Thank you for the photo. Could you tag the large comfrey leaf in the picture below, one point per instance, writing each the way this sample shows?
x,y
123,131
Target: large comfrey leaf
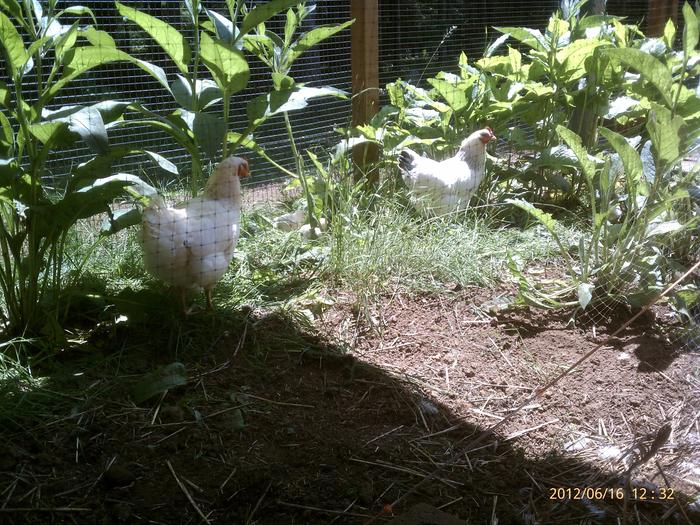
x,y
81,59
586,162
167,37
227,65
631,160
651,69
86,122
455,94
667,132
225,29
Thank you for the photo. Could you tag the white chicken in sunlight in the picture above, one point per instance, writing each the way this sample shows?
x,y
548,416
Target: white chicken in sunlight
x,y
191,244
438,188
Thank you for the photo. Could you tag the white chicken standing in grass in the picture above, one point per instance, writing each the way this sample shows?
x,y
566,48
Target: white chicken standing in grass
x,y
191,244
438,188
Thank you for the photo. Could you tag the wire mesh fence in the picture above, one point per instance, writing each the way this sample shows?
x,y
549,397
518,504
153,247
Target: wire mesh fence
x,y
417,39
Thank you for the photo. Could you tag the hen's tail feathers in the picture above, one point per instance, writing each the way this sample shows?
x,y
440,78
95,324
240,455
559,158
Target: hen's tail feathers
x,y
406,160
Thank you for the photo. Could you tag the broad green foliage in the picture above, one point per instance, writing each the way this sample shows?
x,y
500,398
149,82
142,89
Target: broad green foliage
x,y
219,45
553,96
35,218
167,37
278,53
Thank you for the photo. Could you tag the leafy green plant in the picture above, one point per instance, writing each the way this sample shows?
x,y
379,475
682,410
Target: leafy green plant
x,y
279,54
218,50
632,196
35,217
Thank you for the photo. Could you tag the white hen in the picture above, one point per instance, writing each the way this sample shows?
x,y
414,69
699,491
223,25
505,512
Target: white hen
x,y
191,244
442,187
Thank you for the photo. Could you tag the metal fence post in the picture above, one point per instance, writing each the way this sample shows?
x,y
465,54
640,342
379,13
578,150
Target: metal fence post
x,y
365,79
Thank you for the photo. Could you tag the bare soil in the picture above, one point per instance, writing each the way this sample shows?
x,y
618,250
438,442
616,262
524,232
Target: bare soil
x,y
372,416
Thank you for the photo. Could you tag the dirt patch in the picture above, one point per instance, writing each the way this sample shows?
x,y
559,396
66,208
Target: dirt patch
x,y
368,421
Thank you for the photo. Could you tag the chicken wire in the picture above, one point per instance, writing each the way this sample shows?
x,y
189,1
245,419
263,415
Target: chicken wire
x,y
417,38
326,64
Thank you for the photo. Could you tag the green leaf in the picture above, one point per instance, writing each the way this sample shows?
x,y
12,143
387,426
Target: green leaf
x,y
56,134
585,294
666,131
495,45
290,26
631,160
225,29
282,82
227,65
193,16
7,136
81,59
162,380
167,37
162,162
532,38
313,37
111,110
454,94
210,131
4,95
662,228
543,217
263,12
651,69
573,56
690,31
98,38
14,8
78,10
11,40
66,42
262,107
574,142
669,33
207,92
88,123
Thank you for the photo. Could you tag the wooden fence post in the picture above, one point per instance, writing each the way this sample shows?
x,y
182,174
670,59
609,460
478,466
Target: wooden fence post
x,y
658,13
365,78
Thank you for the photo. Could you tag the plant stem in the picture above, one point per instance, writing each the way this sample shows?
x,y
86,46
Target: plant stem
x,y
300,169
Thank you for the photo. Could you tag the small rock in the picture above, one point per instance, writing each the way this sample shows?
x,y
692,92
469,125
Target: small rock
x,y
117,476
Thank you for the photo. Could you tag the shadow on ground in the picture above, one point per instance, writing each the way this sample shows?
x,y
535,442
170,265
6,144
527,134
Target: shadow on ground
x,y
275,425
